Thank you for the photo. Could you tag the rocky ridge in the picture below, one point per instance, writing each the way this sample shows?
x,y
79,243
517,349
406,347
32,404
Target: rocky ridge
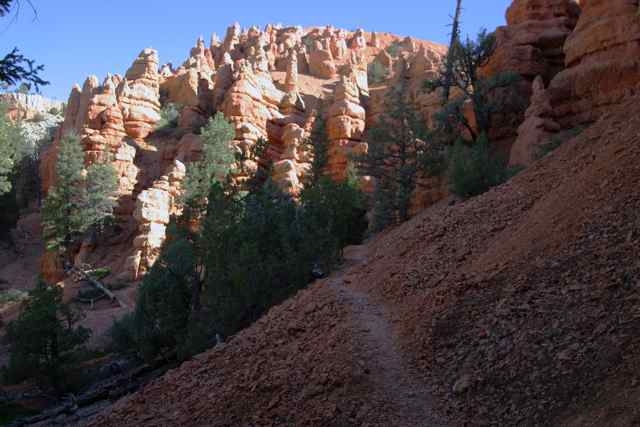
x,y
270,84
517,307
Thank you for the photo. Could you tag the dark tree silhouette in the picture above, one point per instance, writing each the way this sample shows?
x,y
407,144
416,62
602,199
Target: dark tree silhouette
x,y
15,67
455,40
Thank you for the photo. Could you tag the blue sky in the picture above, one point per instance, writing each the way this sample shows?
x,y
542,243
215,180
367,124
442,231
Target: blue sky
x,y
75,38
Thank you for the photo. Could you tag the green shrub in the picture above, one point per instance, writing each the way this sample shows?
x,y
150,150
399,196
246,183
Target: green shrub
x,y
11,296
123,335
44,342
100,273
394,48
376,72
169,116
54,111
473,170
251,253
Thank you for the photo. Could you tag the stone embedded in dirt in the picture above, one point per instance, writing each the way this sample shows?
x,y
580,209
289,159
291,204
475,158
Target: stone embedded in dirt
x,y
462,384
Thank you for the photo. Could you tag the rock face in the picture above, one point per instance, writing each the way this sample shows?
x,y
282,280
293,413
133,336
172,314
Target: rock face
x,y
602,62
109,118
537,128
345,125
531,42
23,106
268,83
139,95
153,211
531,45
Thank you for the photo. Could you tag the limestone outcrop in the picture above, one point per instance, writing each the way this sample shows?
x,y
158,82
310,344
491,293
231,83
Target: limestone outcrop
x,y
537,129
531,45
345,124
139,95
531,42
269,83
602,58
22,106
153,211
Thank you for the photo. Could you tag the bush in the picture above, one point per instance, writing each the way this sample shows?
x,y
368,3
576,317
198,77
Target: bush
x,y
54,111
252,252
395,48
376,72
11,296
43,341
163,308
473,170
100,273
169,116
123,335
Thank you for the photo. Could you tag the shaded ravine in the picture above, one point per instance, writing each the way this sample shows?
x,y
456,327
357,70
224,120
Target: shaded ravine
x,y
395,385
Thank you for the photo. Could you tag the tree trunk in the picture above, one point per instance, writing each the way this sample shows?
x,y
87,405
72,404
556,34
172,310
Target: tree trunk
x,y
455,35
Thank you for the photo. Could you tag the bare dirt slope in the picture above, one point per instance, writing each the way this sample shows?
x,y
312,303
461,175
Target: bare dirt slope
x,y
519,307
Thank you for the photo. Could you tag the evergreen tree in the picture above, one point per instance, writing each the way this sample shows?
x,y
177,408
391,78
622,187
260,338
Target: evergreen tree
x,y
15,67
78,200
44,341
162,311
318,144
13,147
217,160
473,170
259,260
101,183
454,43
396,145
334,216
169,319
463,63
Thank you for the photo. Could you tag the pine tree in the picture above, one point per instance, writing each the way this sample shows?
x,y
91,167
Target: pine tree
x,y
464,61
101,182
215,165
473,170
318,145
449,60
15,67
44,340
13,147
396,144
79,200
